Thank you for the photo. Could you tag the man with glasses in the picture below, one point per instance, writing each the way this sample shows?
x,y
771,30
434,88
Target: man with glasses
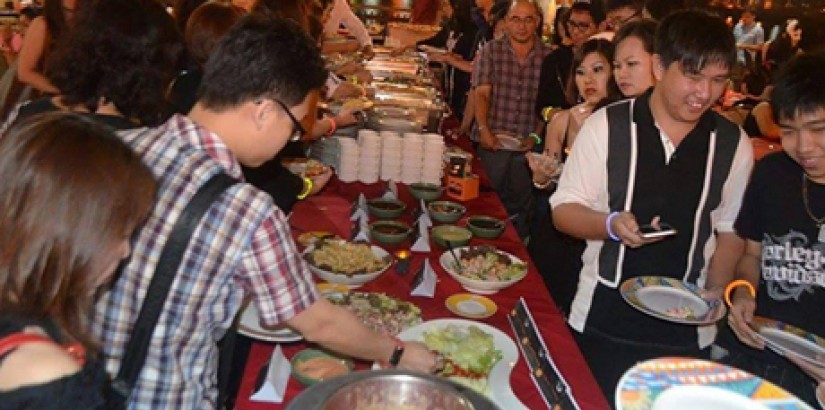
x,y
256,85
506,78
583,23
621,12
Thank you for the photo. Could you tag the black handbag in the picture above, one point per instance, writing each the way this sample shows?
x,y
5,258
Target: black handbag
x,y
117,397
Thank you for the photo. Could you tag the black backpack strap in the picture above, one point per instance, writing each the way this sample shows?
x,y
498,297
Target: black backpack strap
x,y
165,272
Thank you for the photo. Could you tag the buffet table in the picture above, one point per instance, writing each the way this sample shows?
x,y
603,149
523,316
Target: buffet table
x,y
330,212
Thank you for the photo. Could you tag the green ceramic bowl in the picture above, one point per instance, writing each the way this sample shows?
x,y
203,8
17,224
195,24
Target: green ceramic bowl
x,y
485,226
312,366
457,236
427,192
389,232
386,208
446,211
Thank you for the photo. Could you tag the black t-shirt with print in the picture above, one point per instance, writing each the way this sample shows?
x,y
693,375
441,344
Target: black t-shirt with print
x,y
792,282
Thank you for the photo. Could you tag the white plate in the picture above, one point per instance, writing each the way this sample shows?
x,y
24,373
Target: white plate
x,y
670,299
704,398
499,390
430,49
482,287
250,326
643,384
356,280
820,396
782,337
510,143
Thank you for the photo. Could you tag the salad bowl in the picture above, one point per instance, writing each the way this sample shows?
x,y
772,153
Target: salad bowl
x,y
489,271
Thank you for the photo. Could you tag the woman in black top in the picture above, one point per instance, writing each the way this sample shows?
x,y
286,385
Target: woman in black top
x,y
785,47
458,38
582,22
72,194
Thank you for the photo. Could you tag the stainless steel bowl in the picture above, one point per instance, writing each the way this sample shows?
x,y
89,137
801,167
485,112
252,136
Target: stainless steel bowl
x,y
389,390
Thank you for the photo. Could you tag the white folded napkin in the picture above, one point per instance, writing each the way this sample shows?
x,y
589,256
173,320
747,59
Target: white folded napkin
x,y
277,377
422,241
359,211
425,280
392,191
363,234
424,219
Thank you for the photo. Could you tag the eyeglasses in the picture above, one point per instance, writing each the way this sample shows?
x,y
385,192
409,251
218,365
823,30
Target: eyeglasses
x,y
572,25
297,129
617,22
519,20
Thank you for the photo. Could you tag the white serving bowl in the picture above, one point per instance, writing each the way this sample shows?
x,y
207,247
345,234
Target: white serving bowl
x,y
483,287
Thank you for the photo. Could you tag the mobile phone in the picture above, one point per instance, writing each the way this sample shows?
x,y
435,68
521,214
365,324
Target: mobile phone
x,y
650,232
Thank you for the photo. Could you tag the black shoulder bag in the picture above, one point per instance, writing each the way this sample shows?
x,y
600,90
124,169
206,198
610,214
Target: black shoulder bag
x,y
170,259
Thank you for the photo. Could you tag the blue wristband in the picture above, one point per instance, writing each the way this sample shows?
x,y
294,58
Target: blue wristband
x,y
607,224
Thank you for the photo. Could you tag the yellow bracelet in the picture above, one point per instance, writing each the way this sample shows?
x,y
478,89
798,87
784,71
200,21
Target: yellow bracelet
x,y
546,113
307,188
735,284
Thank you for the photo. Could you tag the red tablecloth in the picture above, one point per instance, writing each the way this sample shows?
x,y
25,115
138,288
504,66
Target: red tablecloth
x,y
330,212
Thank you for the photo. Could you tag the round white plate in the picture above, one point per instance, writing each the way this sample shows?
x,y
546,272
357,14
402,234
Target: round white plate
x,y
704,398
510,143
250,326
430,49
672,300
782,337
499,390
483,287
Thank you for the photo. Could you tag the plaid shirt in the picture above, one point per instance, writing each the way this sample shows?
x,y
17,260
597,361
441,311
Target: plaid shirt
x,y
514,85
242,246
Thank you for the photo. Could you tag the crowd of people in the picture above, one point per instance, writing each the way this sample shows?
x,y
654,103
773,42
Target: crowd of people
x,y
135,112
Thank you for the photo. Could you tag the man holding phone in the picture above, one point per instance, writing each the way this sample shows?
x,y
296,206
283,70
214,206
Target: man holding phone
x,y
663,157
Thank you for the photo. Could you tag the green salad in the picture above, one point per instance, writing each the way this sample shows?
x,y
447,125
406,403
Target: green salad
x,y
485,263
469,353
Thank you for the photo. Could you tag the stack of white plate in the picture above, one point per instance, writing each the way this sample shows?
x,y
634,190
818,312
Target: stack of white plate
x,y
432,167
412,158
369,167
391,148
349,159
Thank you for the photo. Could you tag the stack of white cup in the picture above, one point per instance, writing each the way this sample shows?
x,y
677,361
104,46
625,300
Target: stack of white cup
x,y
433,166
370,159
412,158
349,158
391,144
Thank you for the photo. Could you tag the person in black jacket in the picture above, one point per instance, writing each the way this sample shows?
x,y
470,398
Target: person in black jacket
x,y
458,38
582,23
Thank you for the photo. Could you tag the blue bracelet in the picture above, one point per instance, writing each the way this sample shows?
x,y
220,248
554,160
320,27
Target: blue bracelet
x,y
607,223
